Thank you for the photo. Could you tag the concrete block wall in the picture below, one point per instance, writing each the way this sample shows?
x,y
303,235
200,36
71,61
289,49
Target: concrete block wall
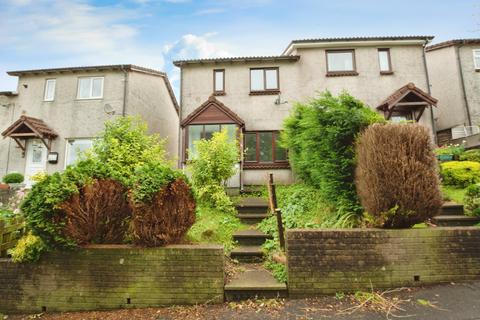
x,y
108,277
326,261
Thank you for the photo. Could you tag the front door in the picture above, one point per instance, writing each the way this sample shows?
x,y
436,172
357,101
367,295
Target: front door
x,y
36,160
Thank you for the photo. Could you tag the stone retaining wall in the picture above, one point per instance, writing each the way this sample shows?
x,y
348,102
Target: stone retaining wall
x,y
346,260
107,277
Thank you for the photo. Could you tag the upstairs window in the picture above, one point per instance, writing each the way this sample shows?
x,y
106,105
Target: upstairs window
x,y
341,61
264,80
219,81
263,147
476,58
384,61
49,90
90,88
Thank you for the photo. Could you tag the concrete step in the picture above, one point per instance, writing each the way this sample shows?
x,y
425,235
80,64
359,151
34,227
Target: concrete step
x,y
451,209
252,253
255,284
252,205
252,218
455,220
250,237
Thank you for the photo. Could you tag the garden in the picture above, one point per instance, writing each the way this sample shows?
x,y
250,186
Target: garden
x,y
353,171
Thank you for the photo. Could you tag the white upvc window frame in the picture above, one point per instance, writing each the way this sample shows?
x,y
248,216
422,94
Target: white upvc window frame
x,y
90,97
68,149
47,82
476,54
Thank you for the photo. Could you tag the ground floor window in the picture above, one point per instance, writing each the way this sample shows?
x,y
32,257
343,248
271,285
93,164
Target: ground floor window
x,y
400,116
75,147
263,147
206,131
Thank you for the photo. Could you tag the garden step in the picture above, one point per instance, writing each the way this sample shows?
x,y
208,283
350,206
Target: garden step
x,y
451,209
247,253
255,284
252,205
252,218
250,237
455,221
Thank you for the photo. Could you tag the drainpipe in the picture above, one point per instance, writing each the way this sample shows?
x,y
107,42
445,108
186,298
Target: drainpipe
x,y
429,90
180,135
462,81
125,85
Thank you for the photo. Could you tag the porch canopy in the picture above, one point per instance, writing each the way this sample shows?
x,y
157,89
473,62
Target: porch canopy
x,y
407,100
213,111
30,128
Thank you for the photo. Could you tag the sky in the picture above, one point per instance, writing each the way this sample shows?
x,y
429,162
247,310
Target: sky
x,y
153,33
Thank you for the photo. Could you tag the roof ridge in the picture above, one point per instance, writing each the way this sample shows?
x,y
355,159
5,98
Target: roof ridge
x,y
179,63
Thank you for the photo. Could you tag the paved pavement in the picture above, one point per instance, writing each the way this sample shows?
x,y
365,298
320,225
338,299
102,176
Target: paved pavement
x,y
460,301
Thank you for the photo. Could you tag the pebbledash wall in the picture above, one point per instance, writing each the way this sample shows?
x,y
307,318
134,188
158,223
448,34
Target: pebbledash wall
x,y
326,261
107,277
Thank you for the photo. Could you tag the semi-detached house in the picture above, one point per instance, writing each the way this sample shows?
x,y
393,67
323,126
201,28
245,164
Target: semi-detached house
x,y
454,69
253,95
57,113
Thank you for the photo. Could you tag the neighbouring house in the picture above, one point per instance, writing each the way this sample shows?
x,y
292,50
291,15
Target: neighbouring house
x,y
454,69
255,94
56,113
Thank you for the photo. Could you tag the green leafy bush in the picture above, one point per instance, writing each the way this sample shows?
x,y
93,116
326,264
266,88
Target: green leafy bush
x,y
150,178
397,175
28,249
42,204
211,167
88,203
470,155
13,177
320,136
451,149
124,145
6,214
472,200
460,173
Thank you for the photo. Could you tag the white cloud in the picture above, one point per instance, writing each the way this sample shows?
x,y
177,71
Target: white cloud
x,y
193,46
19,2
204,12
76,31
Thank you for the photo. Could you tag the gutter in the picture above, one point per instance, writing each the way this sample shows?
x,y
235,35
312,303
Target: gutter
x,y
125,85
462,81
429,90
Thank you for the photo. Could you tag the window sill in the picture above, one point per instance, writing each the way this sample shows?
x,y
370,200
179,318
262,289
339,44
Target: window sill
x,y
342,74
259,166
219,93
386,73
83,99
264,93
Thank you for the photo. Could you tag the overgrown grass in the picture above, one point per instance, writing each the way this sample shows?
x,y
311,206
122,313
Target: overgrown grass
x,y
301,207
453,194
214,226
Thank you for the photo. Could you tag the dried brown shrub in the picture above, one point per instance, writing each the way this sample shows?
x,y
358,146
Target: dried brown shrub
x,y
99,213
396,175
166,218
